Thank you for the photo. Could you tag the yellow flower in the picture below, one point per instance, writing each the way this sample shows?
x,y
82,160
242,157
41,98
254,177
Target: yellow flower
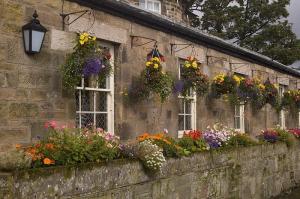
x,y
276,86
195,64
188,65
94,38
155,66
261,87
156,59
81,42
148,63
81,37
237,79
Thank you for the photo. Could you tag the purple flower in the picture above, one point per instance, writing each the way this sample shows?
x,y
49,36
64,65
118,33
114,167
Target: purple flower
x,y
92,66
178,88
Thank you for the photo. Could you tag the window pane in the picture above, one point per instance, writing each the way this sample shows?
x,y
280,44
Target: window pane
x,y
181,106
150,6
237,124
188,107
87,119
101,101
142,4
181,122
87,100
188,122
101,121
156,7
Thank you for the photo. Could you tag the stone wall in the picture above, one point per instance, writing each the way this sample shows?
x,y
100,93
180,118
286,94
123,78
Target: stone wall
x,y
31,88
255,172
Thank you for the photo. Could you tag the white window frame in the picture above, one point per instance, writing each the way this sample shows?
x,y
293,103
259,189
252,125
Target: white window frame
x,y
193,114
282,120
239,114
110,96
152,1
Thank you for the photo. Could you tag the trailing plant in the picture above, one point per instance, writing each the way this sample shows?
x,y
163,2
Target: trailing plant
x,y
291,101
271,93
88,59
192,79
151,155
223,85
168,144
152,80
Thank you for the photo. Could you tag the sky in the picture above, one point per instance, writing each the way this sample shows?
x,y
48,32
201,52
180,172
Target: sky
x,y
294,10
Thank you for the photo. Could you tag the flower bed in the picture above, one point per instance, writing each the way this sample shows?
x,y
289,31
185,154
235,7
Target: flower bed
x,y
71,146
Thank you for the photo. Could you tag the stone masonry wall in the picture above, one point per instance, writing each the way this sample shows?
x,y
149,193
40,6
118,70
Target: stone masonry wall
x,y
259,172
31,88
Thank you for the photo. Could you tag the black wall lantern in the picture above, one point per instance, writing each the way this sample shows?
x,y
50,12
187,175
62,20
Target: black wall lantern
x,y
33,35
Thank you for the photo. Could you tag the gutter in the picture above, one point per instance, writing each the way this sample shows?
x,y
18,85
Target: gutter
x,y
161,23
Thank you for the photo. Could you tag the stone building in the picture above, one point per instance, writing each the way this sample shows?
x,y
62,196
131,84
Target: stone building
x,y
31,90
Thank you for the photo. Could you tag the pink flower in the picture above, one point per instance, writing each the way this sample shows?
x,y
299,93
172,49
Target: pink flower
x,y
51,124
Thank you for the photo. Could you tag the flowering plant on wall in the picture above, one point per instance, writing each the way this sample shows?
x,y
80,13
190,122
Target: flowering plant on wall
x,y
218,135
192,78
168,144
223,85
193,141
152,80
70,146
271,93
295,132
291,100
87,59
252,90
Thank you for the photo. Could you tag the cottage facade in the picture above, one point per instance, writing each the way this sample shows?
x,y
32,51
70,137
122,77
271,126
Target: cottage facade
x,y
31,90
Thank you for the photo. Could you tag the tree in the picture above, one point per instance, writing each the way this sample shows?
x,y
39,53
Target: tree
x,y
259,25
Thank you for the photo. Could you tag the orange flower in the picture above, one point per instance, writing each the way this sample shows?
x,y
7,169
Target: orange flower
x,y
143,137
48,161
49,146
18,146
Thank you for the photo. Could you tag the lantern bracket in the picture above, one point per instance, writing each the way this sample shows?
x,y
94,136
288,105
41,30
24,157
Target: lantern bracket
x,y
135,38
174,46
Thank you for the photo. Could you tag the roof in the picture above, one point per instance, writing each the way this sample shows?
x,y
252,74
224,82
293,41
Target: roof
x,y
162,23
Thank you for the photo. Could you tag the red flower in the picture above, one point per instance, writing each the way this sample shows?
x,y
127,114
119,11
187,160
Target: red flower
x,y
195,134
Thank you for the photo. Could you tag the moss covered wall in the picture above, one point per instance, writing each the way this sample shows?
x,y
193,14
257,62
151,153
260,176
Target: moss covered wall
x,y
254,172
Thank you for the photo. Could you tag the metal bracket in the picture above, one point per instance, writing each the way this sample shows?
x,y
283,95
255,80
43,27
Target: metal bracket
x,y
65,15
137,38
174,47
218,59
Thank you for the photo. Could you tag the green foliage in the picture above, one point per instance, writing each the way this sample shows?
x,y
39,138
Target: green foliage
x,y
14,159
241,140
285,136
86,49
258,25
170,147
68,148
192,78
193,145
150,81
